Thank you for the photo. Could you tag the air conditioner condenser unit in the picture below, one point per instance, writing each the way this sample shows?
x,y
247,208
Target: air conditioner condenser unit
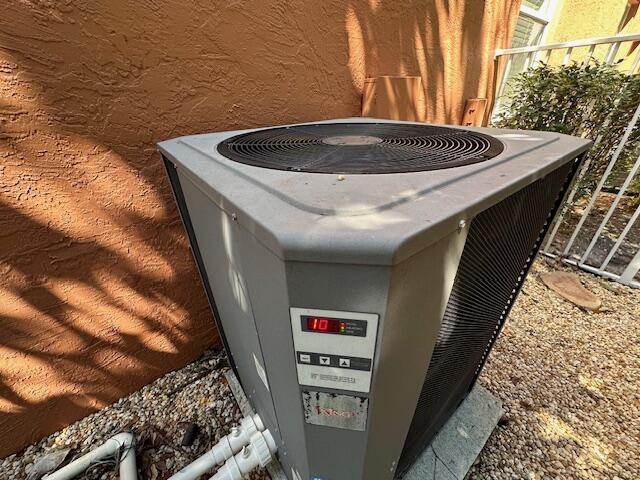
x,y
360,270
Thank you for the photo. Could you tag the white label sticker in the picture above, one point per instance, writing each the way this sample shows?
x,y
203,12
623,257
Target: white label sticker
x,y
338,411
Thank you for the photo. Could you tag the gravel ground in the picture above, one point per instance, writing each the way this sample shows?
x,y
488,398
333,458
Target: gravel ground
x,y
158,414
569,381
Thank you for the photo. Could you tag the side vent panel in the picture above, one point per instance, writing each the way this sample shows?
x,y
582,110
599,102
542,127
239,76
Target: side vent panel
x,y
500,248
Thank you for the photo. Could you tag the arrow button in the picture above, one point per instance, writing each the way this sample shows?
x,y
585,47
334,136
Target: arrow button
x,y
325,360
345,362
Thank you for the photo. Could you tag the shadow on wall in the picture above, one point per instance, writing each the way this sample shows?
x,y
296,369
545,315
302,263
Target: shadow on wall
x,y
83,324
99,291
450,44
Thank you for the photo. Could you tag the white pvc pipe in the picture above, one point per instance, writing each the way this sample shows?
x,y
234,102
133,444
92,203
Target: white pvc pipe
x,y
128,467
258,453
224,449
122,442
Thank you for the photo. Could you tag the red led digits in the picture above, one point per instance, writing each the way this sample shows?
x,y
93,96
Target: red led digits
x,y
325,325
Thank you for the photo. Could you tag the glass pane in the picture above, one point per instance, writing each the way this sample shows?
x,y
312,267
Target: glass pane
x,y
535,4
528,32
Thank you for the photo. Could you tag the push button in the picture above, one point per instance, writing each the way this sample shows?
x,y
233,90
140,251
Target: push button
x,y
305,358
329,360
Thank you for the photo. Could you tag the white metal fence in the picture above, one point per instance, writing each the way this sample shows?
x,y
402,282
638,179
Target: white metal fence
x,y
596,232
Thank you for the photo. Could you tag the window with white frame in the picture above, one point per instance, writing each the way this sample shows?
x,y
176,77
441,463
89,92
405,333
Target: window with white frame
x,y
531,28
532,23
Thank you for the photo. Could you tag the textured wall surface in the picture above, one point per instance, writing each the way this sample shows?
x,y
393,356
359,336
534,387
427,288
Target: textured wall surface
x,y
583,19
98,291
597,18
579,19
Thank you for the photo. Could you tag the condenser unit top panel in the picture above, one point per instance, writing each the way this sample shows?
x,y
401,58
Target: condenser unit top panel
x,y
360,148
362,190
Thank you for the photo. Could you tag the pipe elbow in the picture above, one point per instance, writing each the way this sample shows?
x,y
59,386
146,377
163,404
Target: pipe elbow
x,y
124,439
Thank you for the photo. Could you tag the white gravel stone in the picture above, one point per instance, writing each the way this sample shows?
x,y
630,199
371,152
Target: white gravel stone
x,y
570,383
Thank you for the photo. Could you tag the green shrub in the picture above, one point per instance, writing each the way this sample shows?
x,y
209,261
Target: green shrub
x,y
594,101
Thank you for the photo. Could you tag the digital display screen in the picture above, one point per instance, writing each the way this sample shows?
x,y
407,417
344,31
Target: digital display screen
x,y
325,325
336,326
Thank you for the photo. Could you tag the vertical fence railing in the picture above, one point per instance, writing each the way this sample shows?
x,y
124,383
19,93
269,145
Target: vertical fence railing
x,y
577,245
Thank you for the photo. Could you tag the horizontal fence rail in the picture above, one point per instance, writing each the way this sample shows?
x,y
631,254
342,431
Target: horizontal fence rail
x,y
587,42
590,244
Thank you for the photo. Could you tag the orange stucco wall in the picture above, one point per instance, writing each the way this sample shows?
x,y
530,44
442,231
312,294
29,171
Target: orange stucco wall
x,y
99,294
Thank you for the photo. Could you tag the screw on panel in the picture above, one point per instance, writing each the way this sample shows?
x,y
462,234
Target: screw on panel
x,y
462,224
234,217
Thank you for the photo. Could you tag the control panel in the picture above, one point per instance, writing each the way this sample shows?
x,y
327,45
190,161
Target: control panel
x,y
334,349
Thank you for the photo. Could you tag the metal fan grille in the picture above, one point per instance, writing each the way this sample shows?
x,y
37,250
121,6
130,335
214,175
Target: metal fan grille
x,y
360,148
500,247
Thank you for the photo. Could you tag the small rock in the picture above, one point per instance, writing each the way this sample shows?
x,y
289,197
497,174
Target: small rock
x,y
569,287
47,463
527,404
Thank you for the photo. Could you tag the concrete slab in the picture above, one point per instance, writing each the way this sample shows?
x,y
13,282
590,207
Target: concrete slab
x,y
458,444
